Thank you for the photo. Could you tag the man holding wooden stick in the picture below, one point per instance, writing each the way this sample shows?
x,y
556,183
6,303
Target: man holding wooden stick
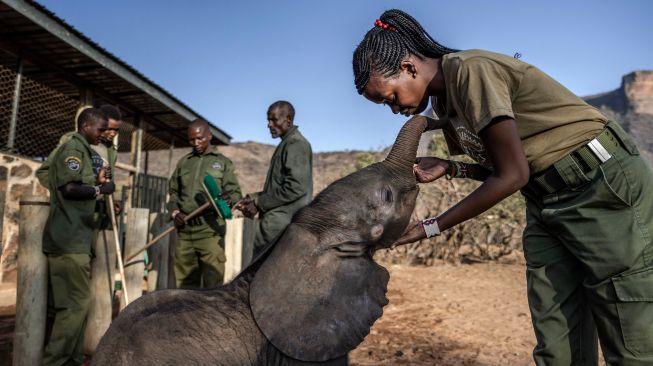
x,y
200,256
75,180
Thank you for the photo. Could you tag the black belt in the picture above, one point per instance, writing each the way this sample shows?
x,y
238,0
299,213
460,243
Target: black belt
x,y
201,220
587,157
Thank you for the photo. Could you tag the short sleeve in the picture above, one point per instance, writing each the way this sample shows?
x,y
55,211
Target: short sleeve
x,y
484,92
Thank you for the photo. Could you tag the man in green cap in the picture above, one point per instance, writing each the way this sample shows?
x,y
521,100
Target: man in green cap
x,y
200,256
75,180
289,183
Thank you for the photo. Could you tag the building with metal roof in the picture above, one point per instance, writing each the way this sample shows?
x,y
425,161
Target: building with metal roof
x,y
48,69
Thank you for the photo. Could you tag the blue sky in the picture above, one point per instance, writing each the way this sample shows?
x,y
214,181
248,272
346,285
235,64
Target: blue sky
x,y
229,60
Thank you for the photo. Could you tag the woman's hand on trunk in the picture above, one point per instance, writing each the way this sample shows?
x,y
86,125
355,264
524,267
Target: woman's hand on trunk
x,y
414,232
428,169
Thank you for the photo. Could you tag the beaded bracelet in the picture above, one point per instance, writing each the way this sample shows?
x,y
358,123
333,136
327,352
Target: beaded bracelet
x,y
431,227
459,170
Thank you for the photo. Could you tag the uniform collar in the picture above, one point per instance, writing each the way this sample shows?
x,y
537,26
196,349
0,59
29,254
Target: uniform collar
x,y
213,151
290,132
82,139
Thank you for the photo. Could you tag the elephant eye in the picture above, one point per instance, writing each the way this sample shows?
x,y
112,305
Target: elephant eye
x,y
388,195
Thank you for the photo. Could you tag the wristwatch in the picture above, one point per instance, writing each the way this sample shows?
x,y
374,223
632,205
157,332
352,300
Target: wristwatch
x,y
97,191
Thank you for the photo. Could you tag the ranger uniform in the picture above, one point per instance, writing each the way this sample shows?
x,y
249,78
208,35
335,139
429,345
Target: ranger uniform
x,y
67,239
589,207
288,187
200,256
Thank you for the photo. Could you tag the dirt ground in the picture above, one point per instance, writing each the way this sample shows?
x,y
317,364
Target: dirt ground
x,y
442,315
452,315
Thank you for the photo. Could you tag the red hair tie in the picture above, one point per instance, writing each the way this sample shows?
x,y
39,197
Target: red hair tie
x,y
380,24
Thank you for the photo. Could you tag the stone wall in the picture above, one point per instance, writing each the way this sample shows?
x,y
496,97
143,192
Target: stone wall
x,y
16,179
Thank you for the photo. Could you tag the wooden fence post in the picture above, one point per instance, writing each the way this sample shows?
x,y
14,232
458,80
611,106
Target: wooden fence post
x,y
136,237
238,242
158,254
102,277
233,248
32,282
172,247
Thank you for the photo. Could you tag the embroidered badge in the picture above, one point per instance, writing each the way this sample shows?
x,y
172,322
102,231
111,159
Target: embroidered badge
x,y
73,163
216,165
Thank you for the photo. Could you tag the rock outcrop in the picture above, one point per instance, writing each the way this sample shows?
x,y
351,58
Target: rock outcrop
x,y
635,95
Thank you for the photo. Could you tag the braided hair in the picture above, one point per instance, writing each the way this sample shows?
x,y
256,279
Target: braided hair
x,y
395,35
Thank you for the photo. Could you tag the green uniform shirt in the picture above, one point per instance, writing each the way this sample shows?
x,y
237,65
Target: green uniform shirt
x,y
186,193
289,183
42,171
551,120
111,157
71,223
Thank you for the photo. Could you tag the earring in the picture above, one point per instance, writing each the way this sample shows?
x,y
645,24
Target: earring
x,y
414,75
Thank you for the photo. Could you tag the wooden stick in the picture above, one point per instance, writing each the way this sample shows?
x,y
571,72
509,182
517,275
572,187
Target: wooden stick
x,y
116,239
188,217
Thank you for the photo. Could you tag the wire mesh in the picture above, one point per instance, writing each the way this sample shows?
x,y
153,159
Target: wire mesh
x,y
7,85
43,115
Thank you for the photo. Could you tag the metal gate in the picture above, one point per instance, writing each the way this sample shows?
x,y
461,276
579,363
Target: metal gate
x,y
150,191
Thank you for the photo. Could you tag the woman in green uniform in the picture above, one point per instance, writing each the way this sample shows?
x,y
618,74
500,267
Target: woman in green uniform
x,y
587,241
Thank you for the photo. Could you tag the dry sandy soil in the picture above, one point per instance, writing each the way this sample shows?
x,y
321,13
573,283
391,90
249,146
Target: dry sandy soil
x,y
452,315
442,315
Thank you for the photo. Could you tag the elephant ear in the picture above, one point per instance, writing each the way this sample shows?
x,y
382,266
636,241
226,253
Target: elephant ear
x,y
312,304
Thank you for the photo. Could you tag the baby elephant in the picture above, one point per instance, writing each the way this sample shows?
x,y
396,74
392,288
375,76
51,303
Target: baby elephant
x,y
310,299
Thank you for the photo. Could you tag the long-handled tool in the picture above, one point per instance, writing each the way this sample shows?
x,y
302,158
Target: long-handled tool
x,y
214,200
116,240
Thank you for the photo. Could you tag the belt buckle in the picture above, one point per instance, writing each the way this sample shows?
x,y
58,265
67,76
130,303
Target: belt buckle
x,y
599,151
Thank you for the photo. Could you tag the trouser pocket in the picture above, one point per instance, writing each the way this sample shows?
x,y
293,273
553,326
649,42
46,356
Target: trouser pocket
x,y
635,310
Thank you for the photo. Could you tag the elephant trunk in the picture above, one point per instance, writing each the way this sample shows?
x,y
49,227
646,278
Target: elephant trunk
x,y
403,152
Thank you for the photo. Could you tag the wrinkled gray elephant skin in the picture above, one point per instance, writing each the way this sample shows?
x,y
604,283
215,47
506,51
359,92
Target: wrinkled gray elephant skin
x,y
309,299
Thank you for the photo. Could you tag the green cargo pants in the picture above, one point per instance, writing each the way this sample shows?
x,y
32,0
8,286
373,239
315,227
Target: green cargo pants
x,y
589,257
199,262
70,295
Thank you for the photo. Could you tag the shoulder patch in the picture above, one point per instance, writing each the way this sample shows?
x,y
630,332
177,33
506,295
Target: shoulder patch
x,y
216,165
73,163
